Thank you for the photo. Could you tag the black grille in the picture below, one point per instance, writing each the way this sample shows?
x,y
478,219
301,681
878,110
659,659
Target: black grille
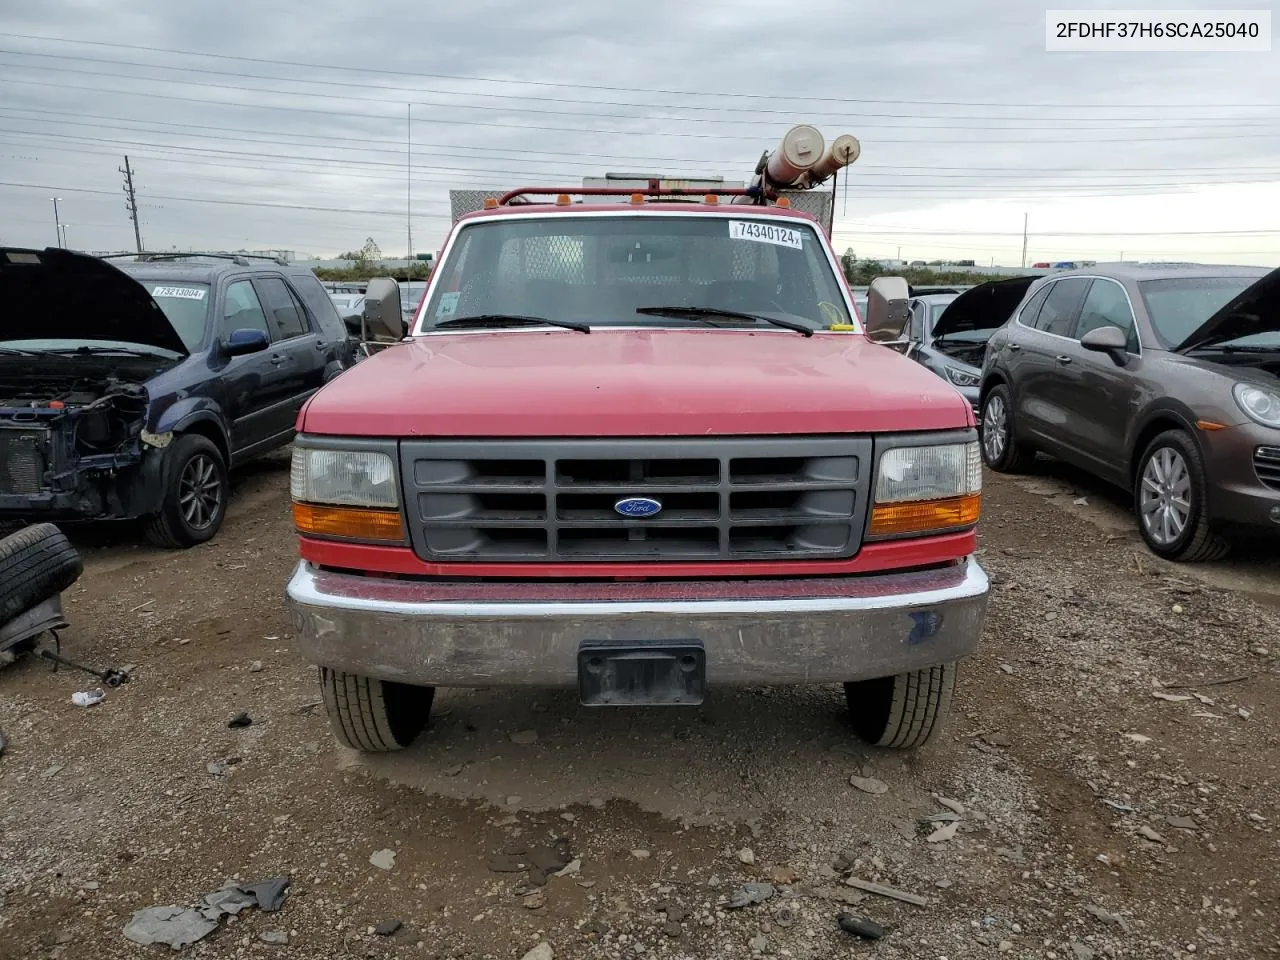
x,y
728,499
22,460
1266,463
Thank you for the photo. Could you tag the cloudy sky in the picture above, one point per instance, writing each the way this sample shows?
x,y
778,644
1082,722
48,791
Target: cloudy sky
x,y
285,125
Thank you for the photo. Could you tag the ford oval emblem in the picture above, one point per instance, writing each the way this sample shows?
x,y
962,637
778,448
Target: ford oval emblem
x,y
638,507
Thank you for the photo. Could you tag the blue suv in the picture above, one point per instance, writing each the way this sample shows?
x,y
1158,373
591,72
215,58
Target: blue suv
x,y
130,391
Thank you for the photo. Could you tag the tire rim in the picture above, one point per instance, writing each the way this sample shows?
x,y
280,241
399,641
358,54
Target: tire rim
x,y
1165,496
995,429
200,492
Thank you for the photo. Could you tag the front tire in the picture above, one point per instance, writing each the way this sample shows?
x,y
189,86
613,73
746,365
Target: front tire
x,y
1170,499
195,496
1001,449
374,716
902,712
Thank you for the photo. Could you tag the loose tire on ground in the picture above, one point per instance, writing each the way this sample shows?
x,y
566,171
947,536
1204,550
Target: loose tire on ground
x,y
902,712
195,468
374,716
36,563
1198,541
1002,451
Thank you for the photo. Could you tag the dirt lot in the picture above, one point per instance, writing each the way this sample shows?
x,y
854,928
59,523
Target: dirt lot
x,y
1114,755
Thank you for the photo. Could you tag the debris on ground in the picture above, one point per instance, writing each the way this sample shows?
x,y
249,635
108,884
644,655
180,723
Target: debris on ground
x,y
239,720
179,927
879,889
88,698
542,951
270,893
868,784
859,927
383,859
3,743
746,855
174,926
525,737
750,894
278,938
944,833
387,928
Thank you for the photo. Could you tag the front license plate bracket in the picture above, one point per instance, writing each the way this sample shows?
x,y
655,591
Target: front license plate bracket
x,y
634,674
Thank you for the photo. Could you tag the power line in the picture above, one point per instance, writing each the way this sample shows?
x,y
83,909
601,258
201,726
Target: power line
x,y
577,156
859,175
683,135
323,166
1043,123
619,89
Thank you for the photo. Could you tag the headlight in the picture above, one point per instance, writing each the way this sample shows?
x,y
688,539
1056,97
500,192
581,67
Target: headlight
x,y
355,478
1258,403
961,378
345,493
927,489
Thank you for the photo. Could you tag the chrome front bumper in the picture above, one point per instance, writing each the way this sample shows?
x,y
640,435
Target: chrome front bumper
x,y
754,631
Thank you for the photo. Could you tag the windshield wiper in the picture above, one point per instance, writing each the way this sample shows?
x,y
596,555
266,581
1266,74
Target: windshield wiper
x,y
19,352
509,320
87,351
706,313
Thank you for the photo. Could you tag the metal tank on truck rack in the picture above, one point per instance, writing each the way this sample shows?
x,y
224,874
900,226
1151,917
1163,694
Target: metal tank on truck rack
x,y
640,443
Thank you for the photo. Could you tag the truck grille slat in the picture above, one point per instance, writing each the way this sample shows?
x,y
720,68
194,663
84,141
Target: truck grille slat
x,y
1266,464
721,499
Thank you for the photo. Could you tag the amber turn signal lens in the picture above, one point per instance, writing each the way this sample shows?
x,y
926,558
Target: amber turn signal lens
x,y
924,516
352,522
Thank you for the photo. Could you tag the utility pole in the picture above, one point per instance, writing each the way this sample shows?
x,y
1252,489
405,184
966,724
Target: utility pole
x,y
57,224
64,236
408,183
1024,241
133,202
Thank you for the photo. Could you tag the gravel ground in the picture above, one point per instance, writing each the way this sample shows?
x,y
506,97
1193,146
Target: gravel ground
x,y
1108,787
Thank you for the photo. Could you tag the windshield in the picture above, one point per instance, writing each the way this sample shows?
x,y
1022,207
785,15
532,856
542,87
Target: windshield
x,y
600,269
185,304
1180,306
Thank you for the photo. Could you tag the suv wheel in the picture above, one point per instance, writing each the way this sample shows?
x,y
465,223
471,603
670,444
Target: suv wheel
x,y
196,493
905,711
1001,449
1170,499
374,716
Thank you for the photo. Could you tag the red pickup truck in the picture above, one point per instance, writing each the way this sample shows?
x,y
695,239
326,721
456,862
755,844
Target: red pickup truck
x,y
644,448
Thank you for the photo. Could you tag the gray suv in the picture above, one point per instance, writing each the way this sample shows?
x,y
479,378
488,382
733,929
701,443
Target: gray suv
x,y
1161,378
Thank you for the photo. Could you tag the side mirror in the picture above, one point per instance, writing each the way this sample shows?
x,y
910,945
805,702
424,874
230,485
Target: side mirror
x,y
887,309
245,341
383,313
1110,340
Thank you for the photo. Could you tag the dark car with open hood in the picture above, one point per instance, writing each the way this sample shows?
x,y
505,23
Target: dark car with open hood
x,y
129,391
949,329
1161,378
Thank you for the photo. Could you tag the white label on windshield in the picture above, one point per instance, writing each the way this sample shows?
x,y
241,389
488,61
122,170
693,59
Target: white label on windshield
x,y
762,232
181,293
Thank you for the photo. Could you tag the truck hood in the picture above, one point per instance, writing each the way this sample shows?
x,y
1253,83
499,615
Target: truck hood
x,y
631,383
984,307
57,294
1256,309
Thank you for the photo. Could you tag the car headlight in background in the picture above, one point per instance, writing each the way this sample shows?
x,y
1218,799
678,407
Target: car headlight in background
x,y
961,378
1258,403
927,489
345,493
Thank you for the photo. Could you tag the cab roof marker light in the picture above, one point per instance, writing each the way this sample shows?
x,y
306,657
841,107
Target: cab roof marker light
x,y
491,203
